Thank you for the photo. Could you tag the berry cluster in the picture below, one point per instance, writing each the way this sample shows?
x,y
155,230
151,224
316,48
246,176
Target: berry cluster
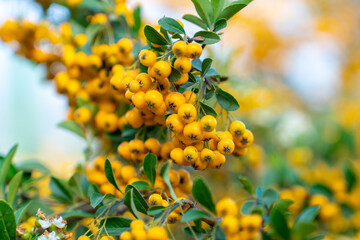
x,y
246,227
139,232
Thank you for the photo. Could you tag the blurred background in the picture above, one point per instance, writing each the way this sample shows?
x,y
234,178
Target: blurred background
x,y
294,65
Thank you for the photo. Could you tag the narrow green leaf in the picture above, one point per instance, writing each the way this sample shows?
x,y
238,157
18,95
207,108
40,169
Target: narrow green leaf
x,y
72,127
109,173
132,205
204,9
195,20
217,6
154,36
155,210
207,110
140,203
164,172
137,19
247,185
75,185
233,8
308,215
205,66
13,187
226,100
60,189
21,212
4,170
202,194
97,198
350,177
30,165
141,185
169,209
149,165
206,37
193,214
171,25
279,224
7,222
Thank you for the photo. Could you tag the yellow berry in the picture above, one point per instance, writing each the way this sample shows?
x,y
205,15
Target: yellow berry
x,y
179,48
193,50
147,58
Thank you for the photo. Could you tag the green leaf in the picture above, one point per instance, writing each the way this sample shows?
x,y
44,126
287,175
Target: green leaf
x,y
233,8
204,9
247,207
73,127
247,185
5,168
75,185
149,165
260,191
115,225
205,66
7,222
220,24
169,209
308,215
350,177
193,214
140,203
109,173
279,224
137,19
132,205
141,185
226,100
77,214
283,204
217,6
210,93
92,31
202,194
155,210
13,187
206,37
270,196
174,75
164,173
318,236
154,36
171,25
96,198
207,110
195,20
192,78
30,165
21,212
60,189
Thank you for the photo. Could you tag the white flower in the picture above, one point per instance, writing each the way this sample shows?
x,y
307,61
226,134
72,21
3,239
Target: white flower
x,y
59,222
45,223
51,236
